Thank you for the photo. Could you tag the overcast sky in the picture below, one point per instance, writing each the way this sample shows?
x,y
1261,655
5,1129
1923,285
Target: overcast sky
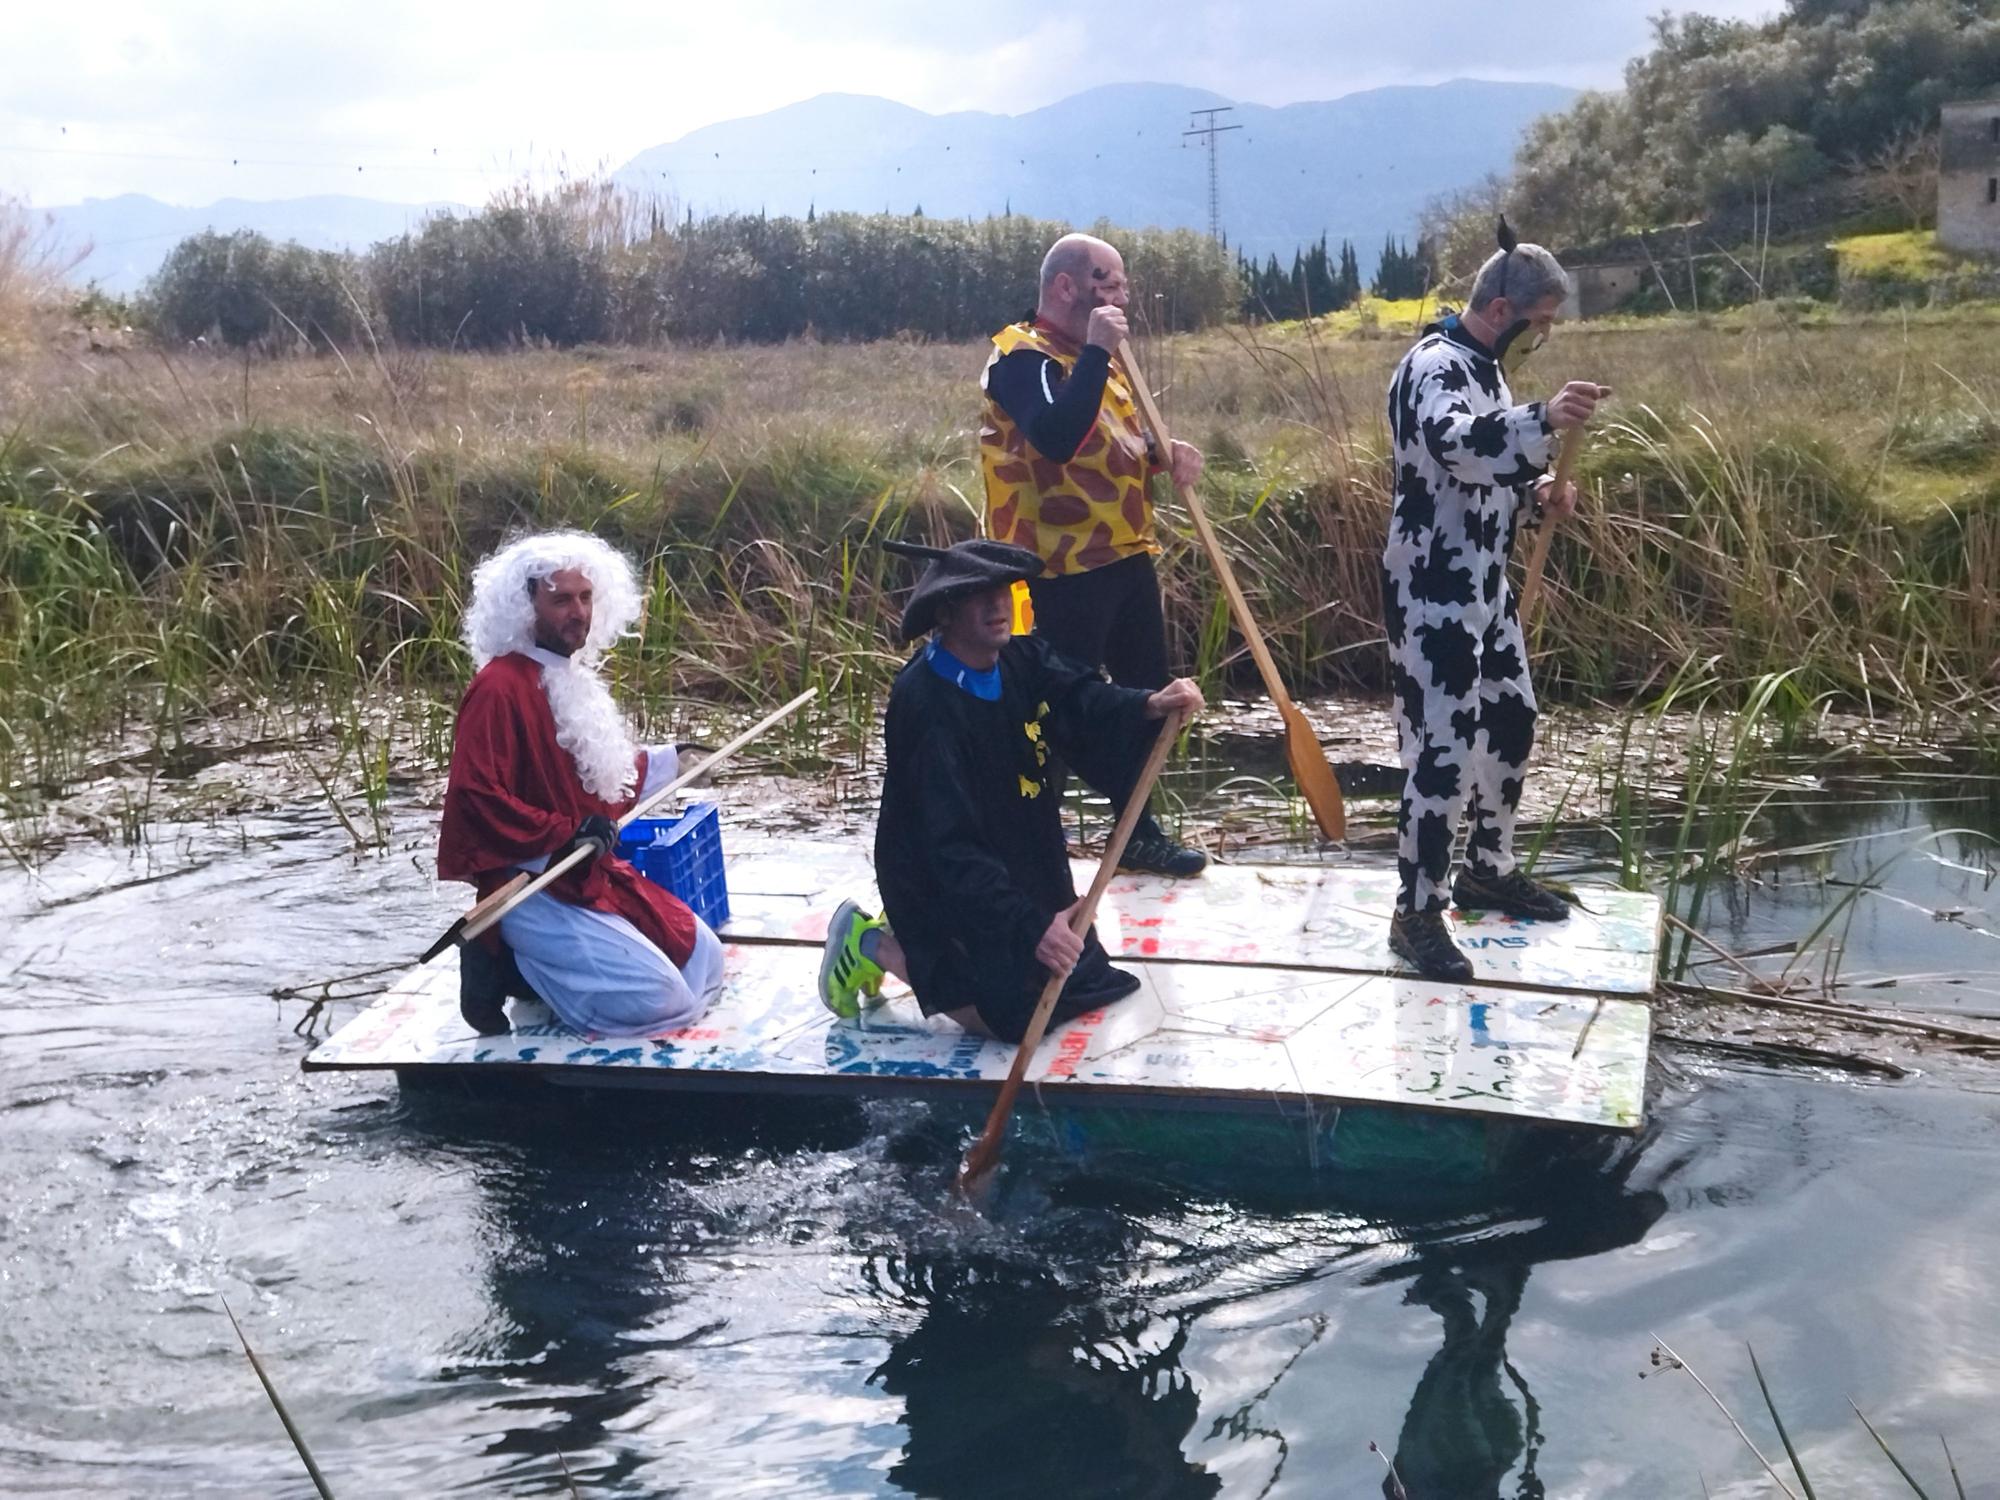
x,y
410,100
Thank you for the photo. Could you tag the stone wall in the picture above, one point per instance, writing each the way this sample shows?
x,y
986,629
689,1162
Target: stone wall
x,y
1600,289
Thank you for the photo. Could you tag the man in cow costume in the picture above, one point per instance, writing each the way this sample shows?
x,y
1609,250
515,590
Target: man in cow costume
x,y
1470,466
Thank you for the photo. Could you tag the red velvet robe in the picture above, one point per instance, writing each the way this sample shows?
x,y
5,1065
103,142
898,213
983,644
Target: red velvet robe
x,y
513,795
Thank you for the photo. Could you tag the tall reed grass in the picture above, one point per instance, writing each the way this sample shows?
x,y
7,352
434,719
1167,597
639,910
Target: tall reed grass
x,y
34,266
179,534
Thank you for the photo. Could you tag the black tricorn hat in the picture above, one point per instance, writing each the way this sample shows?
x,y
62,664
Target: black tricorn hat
x,y
966,568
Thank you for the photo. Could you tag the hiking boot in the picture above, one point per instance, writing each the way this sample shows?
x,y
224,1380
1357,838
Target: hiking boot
x,y
485,980
1512,893
1422,939
846,974
1151,852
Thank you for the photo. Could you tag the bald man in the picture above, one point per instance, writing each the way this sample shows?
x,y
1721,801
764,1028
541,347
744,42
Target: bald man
x,y
1068,465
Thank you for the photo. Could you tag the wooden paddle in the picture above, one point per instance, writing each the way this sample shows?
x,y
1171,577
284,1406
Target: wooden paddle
x,y
1303,753
1531,581
492,908
984,1156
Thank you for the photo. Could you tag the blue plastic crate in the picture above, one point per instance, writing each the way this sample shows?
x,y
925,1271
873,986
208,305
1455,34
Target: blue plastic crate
x,y
684,854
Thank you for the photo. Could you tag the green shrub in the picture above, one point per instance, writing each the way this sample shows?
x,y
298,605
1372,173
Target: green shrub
x,y
1753,276
1958,441
876,276
243,289
521,271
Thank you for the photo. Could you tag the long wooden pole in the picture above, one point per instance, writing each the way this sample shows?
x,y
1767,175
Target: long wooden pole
x,y
984,1154
492,908
1531,582
1303,752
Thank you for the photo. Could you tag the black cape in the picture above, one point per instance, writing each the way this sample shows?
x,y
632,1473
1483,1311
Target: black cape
x,y
969,850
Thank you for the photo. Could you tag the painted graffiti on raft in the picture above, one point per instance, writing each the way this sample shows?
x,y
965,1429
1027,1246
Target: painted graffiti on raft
x,y
1251,1033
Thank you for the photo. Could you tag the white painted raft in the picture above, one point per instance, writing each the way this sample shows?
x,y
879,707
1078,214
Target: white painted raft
x,y
1293,916
1263,993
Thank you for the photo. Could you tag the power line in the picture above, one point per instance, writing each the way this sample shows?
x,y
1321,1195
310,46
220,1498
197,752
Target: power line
x,y
723,169
1210,131
249,161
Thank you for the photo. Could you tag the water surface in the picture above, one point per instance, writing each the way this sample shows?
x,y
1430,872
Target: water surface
x,y
453,1295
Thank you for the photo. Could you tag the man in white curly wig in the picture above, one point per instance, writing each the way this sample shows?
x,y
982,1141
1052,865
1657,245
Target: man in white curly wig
x,y
542,762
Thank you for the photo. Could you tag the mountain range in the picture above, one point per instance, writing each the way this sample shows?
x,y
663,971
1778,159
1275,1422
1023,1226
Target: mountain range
x,y
128,236
1359,167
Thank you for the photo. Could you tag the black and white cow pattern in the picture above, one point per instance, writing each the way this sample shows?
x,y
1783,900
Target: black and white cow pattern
x,y
1466,459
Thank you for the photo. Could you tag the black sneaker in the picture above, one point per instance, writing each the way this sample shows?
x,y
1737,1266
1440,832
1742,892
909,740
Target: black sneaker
x,y
1512,893
1156,854
1422,939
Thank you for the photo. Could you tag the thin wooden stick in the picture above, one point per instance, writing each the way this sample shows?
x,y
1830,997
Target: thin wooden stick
x,y
984,1154
1860,1015
1531,583
270,1390
1725,955
491,909
1584,1035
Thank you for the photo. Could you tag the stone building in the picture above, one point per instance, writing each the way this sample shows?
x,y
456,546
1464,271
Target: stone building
x,y
1968,208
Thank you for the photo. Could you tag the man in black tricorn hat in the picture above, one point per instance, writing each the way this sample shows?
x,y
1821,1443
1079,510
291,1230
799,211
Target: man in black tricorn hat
x,y
969,850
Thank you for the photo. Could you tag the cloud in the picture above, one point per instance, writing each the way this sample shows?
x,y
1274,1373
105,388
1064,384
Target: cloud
x,y
209,98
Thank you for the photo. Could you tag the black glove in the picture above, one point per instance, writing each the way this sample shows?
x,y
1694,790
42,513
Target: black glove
x,y
596,833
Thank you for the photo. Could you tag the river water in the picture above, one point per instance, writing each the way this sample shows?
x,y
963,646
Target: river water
x,y
458,1297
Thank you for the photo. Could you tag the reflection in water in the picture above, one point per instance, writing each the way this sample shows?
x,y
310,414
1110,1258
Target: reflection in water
x,y
1011,1385
569,1278
593,1203
1464,1434
567,1291
1050,1370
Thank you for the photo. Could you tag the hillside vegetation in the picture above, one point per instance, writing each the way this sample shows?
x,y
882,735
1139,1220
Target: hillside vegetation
x,y
1827,112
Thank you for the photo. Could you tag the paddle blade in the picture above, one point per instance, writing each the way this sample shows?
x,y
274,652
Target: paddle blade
x,y
975,1174
1314,775
982,1158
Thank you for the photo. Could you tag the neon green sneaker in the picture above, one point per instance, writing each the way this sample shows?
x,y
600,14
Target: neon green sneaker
x,y
846,974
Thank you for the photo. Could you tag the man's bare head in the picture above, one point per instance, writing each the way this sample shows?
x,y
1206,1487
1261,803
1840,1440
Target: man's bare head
x,y
1080,272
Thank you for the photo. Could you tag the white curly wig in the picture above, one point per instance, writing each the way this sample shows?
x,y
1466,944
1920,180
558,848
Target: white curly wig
x,y
501,619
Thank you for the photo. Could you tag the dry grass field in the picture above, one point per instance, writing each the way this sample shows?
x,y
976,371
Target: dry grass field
x,y
1820,500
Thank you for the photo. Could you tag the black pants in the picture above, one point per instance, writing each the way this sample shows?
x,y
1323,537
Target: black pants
x,y
1007,1008
1109,618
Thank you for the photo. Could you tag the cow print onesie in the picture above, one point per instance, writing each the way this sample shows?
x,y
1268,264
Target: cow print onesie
x,y
1466,457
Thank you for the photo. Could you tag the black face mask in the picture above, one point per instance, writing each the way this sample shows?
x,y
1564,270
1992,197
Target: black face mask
x,y
1515,344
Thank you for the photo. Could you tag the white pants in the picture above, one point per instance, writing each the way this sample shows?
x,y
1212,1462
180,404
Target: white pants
x,y
599,973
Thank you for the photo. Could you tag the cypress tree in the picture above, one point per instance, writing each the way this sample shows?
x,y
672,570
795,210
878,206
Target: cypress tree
x,y
1350,274
1322,289
1400,274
